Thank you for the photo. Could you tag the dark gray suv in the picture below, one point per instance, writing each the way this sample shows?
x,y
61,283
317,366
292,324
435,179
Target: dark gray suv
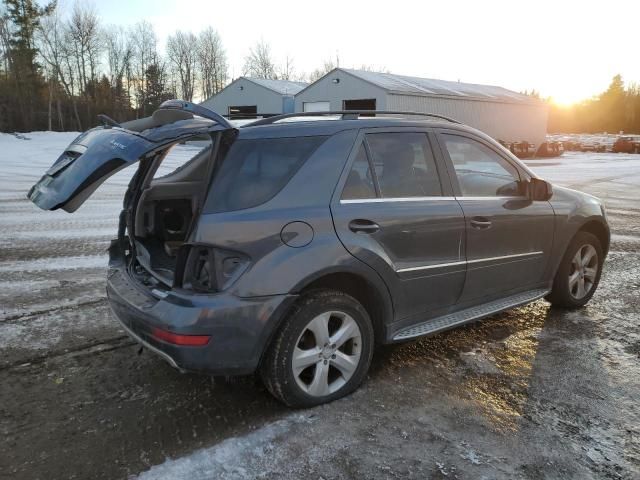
x,y
291,247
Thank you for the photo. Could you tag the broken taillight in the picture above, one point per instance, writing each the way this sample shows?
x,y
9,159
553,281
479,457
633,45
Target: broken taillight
x,y
206,269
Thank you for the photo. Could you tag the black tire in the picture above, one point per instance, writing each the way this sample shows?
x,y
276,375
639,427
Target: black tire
x,y
561,295
276,368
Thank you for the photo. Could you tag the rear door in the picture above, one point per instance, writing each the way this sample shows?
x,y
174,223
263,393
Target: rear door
x,y
509,236
100,152
392,211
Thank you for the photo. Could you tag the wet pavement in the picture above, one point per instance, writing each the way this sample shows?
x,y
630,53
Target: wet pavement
x,y
531,393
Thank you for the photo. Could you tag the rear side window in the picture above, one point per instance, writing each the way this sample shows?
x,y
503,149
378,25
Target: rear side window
x,y
404,165
255,170
359,183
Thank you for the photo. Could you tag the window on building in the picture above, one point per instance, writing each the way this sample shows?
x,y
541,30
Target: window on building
x,y
361,104
243,111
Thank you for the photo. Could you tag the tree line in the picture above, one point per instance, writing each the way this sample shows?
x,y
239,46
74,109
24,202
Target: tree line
x,y
58,70
615,110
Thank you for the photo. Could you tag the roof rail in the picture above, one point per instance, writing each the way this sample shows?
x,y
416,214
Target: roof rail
x,y
196,110
346,115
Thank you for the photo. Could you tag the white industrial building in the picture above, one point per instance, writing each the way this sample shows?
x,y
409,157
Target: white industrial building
x,y
247,97
505,115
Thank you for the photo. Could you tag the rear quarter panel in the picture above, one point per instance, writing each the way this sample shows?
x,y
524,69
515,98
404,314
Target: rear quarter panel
x,y
275,267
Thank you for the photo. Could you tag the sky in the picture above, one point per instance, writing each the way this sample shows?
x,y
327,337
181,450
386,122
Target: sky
x,y
568,50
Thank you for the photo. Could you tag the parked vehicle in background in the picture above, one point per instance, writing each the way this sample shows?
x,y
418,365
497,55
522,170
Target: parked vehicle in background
x,y
627,144
293,247
583,142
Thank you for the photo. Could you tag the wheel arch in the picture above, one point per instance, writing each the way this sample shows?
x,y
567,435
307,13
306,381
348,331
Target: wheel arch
x,y
600,230
376,302
364,286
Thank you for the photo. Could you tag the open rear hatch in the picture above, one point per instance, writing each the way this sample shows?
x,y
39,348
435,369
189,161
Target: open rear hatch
x,y
97,154
166,207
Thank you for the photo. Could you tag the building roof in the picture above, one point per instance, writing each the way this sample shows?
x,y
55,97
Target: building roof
x,y
402,84
283,87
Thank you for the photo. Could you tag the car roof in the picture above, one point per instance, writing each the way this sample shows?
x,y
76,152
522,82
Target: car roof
x,y
312,126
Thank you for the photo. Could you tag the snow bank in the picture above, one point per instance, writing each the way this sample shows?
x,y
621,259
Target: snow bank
x,y
236,458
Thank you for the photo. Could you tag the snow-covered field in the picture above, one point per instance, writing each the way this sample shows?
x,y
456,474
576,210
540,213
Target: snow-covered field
x,y
73,388
56,245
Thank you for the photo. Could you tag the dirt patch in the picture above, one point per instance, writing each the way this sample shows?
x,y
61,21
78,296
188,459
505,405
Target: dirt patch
x,y
531,393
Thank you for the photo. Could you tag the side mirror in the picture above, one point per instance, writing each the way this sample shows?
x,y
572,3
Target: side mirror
x,y
540,190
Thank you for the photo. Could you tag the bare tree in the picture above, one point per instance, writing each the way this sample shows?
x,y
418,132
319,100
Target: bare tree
x,y
259,62
5,36
119,50
144,55
287,71
182,51
212,62
5,69
85,42
372,68
56,53
326,67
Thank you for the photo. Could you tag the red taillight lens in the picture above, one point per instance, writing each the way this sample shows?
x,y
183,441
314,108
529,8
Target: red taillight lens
x,y
176,339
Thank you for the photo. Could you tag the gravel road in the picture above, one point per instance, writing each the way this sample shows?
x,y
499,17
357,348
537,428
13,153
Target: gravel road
x,y
531,393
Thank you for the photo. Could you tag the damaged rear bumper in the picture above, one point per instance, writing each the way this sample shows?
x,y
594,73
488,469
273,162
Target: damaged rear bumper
x,y
239,328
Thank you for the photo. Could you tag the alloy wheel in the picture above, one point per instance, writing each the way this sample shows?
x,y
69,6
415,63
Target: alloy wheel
x,y
584,270
327,353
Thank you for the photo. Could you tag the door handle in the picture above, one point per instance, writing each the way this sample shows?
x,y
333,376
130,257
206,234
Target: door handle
x,y
480,223
363,226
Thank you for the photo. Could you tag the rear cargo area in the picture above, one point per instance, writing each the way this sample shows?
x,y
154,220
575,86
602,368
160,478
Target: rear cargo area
x,y
167,206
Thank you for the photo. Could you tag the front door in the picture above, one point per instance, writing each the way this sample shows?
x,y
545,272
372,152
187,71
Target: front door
x,y
392,212
509,236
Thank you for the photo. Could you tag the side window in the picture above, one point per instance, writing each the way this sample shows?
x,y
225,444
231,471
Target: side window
x,y
255,170
359,183
481,172
184,155
404,165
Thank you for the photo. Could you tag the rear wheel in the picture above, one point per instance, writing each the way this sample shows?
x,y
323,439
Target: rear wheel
x,y
579,272
322,352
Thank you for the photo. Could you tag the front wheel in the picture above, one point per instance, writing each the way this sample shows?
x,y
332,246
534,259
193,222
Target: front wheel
x,y
579,272
322,351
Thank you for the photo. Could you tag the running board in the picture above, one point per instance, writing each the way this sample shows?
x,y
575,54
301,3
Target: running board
x,y
468,315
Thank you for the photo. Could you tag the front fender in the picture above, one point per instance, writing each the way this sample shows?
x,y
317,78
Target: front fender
x,y
573,211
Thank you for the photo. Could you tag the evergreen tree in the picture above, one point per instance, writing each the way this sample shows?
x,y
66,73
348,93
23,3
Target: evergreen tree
x,y
611,108
24,17
157,91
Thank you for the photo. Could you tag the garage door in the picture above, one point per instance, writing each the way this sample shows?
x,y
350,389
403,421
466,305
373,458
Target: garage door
x,y
242,111
316,106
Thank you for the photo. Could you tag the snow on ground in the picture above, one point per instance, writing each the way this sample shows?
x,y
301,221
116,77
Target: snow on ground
x,y
242,458
238,458
51,262
595,172
54,259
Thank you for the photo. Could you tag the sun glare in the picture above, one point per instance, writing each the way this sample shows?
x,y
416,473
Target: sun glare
x,y
563,102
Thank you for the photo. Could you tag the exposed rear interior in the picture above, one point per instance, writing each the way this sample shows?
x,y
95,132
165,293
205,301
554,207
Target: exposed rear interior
x,y
192,177
174,189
